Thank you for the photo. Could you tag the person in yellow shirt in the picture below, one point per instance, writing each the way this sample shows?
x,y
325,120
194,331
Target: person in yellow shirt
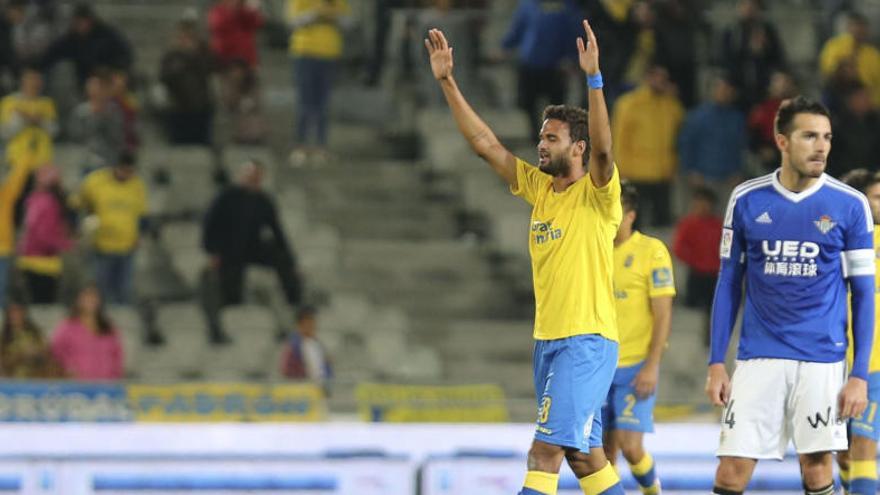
x,y
853,46
11,188
28,121
643,290
645,130
316,46
575,216
117,197
858,465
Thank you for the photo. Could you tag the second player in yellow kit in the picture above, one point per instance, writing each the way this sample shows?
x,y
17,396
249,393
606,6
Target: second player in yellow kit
x,y
858,466
643,290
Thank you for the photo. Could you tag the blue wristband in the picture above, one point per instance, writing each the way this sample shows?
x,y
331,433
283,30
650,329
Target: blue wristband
x,y
595,82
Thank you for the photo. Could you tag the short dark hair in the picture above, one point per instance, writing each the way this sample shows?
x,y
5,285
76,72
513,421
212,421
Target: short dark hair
x,y
577,120
794,106
306,311
629,196
127,159
84,10
705,194
861,179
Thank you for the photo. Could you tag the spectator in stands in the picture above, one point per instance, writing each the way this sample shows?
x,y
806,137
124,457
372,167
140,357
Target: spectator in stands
x,y
90,44
751,51
46,235
696,240
87,344
305,358
855,47
240,95
117,197
11,188
32,28
99,123
856,143
713,141
24,352
642,21
762,134
676,35
28,121
541,33
241,228
233,25
316,46
185,72
12,14
645,127
125,100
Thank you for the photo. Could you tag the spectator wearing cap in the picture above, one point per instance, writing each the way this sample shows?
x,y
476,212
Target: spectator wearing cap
x,y
305,357
713,141
90,43
117,198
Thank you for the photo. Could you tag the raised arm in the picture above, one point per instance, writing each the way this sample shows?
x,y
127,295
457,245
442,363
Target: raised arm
x,y
478,134
601,157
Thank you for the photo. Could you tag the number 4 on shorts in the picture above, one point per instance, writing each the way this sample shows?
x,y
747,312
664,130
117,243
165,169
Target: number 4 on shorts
x,y
729,416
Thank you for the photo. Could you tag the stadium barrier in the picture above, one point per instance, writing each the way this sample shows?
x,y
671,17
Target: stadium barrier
x,y
322,458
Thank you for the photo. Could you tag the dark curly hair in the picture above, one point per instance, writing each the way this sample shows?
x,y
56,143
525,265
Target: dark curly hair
x,y
577,120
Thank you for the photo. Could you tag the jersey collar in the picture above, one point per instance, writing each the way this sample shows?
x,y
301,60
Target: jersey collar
x,y
797,197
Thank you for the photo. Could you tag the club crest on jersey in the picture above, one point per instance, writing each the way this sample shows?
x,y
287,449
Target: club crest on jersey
x,y
628,262
824,224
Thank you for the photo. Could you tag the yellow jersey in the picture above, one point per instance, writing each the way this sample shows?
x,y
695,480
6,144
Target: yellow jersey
x,y
571,243
119,207
874,363
320,39
30,145
642,270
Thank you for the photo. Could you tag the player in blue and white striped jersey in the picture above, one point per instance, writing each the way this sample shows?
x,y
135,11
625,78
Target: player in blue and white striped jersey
x,y
796,239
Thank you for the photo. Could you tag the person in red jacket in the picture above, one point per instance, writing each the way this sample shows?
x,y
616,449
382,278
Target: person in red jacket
x,y
696,241
234,25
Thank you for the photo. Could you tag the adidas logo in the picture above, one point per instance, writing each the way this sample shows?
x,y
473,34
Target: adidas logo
x,y
764,218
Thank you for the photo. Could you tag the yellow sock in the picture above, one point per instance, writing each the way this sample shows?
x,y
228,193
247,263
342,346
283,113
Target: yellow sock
x,y
600,481
545,483
644,473
862,469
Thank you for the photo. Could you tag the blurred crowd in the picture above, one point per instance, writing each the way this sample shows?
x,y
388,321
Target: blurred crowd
x,y
692,106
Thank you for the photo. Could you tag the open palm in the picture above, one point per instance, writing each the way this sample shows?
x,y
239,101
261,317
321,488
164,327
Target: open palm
x,y
441,54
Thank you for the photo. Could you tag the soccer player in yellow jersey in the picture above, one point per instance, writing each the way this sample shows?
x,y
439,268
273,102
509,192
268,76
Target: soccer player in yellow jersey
x,y
858,466
643,289
574,219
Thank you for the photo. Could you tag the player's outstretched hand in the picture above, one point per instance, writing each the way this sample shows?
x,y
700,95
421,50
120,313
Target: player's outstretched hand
x,y
441,54
718,385
853,398
646,381
588,53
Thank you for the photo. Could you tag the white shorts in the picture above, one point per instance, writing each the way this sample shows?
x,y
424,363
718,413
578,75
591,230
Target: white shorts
x,y
774,400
